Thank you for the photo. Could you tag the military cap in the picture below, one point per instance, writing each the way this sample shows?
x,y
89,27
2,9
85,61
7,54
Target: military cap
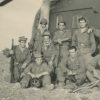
x,y
43,21
37,55
22,38
61,20
46,33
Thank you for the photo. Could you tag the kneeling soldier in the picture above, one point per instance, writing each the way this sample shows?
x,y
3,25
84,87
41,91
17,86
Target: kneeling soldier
x,y
74,70
37,74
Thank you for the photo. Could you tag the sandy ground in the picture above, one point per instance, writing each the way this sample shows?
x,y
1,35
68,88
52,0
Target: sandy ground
x,y
10,91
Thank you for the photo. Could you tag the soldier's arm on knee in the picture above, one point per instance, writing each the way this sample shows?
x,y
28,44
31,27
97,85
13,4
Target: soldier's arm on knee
x,y
42,74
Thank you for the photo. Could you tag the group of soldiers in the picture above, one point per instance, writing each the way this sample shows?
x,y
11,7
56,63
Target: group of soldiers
x,y
58,61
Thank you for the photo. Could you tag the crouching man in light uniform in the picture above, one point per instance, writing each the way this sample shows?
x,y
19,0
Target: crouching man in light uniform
x,y
37,74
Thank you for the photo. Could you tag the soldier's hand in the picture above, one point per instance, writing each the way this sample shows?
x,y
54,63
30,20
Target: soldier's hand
x,y
70,72
59,41
90,30
33,76
24,66
74,73
22,74
50,63
11,52
38,75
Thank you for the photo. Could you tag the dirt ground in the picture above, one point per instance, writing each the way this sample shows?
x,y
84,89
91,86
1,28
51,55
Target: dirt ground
x,y
10,91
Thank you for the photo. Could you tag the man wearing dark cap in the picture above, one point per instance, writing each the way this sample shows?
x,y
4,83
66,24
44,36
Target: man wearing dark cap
x,y
36,39
22,58
62,41
37,70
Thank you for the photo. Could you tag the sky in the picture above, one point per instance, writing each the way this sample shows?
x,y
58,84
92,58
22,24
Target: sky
x,y
16,19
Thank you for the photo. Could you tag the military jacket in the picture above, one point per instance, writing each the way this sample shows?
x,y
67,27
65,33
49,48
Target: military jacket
x,y
85,42
22,56
49,53
77,66
62,35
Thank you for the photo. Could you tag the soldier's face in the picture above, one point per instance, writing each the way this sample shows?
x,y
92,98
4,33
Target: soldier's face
x,y
43,25
38,61
82,23
61,26
72,53
46,40
22,44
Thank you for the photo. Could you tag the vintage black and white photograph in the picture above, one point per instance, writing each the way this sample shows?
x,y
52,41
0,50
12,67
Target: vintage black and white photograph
x,y
49,49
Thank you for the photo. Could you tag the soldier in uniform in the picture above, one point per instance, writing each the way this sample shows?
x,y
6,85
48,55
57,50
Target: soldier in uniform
x,y
62,41
83,39
48,50
50,53
22,58
36,39
39,70
74,70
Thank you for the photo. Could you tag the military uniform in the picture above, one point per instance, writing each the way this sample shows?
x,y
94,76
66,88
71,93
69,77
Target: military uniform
x,y
49,51
63,48
21,57
37,37
85,43
36,69
77,67
49,54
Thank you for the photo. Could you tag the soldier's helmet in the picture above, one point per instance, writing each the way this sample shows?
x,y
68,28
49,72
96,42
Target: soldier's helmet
x,y
61,20
22,38
43,21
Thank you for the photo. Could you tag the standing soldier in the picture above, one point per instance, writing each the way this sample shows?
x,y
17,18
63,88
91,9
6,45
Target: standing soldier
x,y
84,40
62,41
36,39
21,57
37,70
74,70
49,52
